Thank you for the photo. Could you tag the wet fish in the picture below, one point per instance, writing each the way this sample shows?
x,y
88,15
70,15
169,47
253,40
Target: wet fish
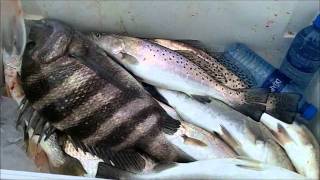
x,y
205,145
248,138
82,92
299,143
162,67
48,155
234,77
210,169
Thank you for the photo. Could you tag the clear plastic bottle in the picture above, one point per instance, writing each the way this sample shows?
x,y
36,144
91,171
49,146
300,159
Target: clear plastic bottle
x,y
303,57
266,76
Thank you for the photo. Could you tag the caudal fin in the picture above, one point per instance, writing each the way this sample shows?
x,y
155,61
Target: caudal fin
x,y
283,106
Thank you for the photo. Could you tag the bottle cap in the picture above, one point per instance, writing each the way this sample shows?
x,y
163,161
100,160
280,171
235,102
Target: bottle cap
x,y
316,22
309,111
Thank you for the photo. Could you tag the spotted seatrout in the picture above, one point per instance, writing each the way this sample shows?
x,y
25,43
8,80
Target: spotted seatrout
x,y
165,68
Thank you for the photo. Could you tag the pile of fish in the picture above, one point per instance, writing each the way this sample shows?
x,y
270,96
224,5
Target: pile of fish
x,y
112,106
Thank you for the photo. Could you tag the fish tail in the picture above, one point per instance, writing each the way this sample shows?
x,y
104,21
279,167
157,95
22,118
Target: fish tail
x,y
255,102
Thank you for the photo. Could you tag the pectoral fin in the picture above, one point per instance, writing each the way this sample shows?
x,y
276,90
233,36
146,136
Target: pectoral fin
x,y
193,141
127,58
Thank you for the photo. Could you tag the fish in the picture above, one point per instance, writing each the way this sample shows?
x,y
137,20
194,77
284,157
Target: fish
x,y
13,39
224,168
81,91
47,155
299,143
168,69
248,138
209,145
211,63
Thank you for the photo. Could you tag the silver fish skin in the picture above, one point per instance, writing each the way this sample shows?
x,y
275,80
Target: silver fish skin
x,y
299,143
165,68
225,168
197,142
248,138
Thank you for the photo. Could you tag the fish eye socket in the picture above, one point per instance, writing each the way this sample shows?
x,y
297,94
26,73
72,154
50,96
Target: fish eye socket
x,y
31,45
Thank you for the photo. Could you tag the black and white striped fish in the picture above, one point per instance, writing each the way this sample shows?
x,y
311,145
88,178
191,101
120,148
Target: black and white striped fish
x,y
82,92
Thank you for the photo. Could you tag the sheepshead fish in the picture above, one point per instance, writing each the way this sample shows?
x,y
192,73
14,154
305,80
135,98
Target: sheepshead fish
x,y
48,156
165,68
248,138
82,92
225,168
299,143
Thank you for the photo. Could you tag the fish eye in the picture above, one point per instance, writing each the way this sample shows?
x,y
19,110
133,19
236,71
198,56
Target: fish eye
x,y
98,35
31,45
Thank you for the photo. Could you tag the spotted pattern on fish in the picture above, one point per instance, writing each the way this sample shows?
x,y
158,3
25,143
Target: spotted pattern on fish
x,y
213,65
244,80
184,65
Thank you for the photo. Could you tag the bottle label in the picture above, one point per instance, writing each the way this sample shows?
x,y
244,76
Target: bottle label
x,y
301,63
276,81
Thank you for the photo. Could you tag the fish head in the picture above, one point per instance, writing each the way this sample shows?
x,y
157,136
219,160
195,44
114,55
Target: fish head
x,y
111,43
48,40
126,50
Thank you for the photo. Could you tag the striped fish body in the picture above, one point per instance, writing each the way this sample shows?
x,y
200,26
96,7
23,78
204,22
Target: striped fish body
x,y
100,108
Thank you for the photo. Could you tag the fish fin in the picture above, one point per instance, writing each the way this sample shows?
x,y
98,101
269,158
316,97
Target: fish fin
x,y
250,163
202,99
110,172
154,93
248,159
21,110
254,103
282,135
39,126
194,43
251,167
226,136
187,43
215,73
169,125
253,110
129,160
283,106
193,141
129,59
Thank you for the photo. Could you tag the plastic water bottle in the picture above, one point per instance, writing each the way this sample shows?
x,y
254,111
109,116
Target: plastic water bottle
x,y
303,57
266,76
